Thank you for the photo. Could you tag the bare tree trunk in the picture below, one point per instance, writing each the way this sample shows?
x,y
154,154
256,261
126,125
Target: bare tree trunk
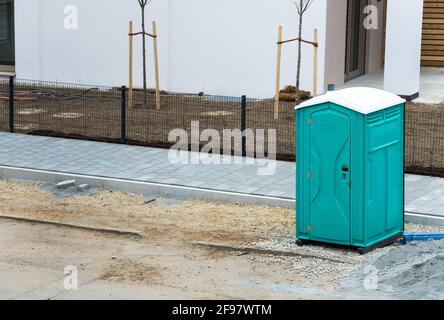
x,y
145,102
298,73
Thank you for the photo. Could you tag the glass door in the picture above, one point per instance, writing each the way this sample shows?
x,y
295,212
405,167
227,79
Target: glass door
x,y
356,33
7,48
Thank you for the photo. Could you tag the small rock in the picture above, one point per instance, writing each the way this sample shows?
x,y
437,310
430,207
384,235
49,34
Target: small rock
x,y
83,187
66,184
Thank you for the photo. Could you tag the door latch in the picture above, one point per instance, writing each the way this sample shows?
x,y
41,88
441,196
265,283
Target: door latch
x,y
309,175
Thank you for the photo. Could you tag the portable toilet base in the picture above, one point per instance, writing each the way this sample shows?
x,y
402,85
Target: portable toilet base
x,y
350,168
363,250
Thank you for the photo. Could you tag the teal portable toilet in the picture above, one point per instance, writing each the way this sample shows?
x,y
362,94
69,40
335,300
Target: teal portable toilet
x,y
350,168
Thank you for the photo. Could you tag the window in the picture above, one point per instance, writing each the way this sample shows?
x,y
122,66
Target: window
x,y
7,49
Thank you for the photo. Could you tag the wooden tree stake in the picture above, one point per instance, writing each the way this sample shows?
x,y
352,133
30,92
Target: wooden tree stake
x,y
280,42
278,74
156,66
130,82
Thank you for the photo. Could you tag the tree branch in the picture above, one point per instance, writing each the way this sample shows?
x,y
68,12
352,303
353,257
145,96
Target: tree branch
x,y
303,6
144,3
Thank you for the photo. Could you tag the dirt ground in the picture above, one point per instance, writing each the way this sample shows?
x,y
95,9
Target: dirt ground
x,y
94,114
165,262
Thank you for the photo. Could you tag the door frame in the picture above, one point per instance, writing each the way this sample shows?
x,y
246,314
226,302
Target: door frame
x,y
351,74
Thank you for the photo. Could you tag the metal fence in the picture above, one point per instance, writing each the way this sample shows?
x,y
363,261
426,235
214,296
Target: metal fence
x,y
424,141
106,114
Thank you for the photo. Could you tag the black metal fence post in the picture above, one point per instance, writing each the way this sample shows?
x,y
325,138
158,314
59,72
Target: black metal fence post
x,y
123,114
244,124
11,104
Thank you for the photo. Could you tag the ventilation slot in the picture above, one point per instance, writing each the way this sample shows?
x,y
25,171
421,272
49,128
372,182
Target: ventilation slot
x,y
392,113
375,117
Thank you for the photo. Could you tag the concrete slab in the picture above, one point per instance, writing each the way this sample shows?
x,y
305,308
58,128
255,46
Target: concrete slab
x,y
431,84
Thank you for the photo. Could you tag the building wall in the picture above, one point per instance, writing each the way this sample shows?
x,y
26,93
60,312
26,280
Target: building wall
x,y
433,34
403,47
335,42
95,53
222,48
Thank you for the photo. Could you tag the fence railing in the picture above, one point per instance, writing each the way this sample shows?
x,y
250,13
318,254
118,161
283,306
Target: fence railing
x,y
424,141
105,114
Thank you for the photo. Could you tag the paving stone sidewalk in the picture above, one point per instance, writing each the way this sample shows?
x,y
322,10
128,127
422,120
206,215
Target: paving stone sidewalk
x,y
423,194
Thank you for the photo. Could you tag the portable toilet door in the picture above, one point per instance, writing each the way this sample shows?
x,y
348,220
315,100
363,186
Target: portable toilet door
x,y
336,142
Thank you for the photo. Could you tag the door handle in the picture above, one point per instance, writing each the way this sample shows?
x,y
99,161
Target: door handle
x,y
345,168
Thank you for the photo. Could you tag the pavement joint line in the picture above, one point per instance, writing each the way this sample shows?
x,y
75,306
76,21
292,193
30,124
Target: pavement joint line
x,y
74,226
34,289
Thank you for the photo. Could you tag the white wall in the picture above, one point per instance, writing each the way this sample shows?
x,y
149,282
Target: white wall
x,y
229,47
27,36
96,53
335,42
403,46
225,48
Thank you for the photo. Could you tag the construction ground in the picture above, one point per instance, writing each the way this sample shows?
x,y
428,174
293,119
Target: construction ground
x,y
139,232
127,246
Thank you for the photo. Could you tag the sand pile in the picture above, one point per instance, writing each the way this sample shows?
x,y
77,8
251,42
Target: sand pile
x,y
414,271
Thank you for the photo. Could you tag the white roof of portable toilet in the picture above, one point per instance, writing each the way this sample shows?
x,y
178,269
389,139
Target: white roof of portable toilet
x,y
362,100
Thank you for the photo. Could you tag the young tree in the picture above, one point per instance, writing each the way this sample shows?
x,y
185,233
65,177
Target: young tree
x,y
302,6
143,4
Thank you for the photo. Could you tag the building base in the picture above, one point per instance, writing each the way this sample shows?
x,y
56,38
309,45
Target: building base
x,y
411,97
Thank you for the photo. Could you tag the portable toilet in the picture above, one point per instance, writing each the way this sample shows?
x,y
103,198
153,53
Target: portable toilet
x,y
350,168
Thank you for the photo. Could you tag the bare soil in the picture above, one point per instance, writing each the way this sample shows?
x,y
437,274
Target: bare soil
x,y
192,220
165,261
94,114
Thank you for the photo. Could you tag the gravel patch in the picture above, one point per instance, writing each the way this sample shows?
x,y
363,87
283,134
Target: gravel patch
x,y
414,271
312,267
336,272
423,228
71,191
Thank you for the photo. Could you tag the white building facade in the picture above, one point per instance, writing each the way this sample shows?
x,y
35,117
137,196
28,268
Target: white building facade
x,y
221,48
